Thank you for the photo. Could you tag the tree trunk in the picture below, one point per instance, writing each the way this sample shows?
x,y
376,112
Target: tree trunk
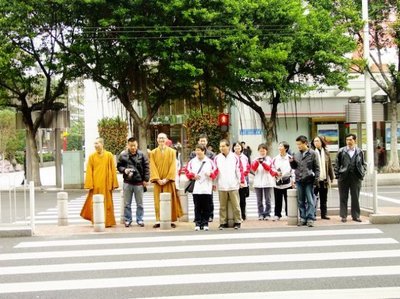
x,y
33,169
143,129
393,165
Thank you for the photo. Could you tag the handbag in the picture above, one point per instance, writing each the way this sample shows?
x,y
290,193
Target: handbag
x,y
282,181
189,188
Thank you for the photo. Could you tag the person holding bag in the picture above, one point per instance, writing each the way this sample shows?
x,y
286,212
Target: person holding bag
x,y
284,178
326,175
200,170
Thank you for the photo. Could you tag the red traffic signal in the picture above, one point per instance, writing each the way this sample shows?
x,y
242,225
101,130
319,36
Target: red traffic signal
x,y
223,119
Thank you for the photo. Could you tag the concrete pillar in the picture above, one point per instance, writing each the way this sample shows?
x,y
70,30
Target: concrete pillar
x,y
122,208
62,208
57,138
292,217
98,213
165,211
183,197
32,205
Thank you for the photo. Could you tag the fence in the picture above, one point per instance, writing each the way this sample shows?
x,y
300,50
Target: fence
x,y
17,202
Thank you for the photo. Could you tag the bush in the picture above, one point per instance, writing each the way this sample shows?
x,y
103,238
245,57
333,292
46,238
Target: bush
x,y
204,123
114,131
48,157
19,157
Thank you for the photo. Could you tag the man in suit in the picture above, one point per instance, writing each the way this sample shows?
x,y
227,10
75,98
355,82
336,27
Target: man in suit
x,y
350,169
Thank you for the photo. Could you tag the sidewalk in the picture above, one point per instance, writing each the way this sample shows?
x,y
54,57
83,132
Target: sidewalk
x,y
48,194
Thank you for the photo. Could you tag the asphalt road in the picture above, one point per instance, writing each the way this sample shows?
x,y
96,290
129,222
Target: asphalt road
x,y
330,262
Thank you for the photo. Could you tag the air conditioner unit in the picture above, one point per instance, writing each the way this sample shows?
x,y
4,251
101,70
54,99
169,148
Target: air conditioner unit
x,y
379,99
355,99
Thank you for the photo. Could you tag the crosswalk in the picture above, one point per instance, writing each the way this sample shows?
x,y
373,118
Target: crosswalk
x,y
324,263
75,205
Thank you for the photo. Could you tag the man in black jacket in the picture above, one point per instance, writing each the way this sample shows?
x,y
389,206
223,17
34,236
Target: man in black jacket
x,y
134,166
349,170
305,164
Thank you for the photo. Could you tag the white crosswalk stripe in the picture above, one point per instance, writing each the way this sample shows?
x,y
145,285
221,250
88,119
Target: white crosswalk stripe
x,y
75,205
210,265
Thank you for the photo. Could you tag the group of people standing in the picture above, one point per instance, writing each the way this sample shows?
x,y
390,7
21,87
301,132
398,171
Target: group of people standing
x,y
309,170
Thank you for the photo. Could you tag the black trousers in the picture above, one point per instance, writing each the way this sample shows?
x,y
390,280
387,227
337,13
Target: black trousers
x,y
322,191
279,195
352,184
201,209
211,207
242,195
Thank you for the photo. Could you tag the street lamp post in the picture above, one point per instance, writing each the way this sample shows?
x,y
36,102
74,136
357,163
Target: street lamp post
x,y
368,105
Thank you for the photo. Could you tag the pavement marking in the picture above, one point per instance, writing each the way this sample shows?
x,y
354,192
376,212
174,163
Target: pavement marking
x,y
228,277
365,293
193,248
397,201
226,236
206,261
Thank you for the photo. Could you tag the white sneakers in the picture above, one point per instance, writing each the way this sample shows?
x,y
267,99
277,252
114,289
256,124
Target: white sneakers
x,y
197,228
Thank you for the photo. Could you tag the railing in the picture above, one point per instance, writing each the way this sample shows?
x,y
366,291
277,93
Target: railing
x,y
14,206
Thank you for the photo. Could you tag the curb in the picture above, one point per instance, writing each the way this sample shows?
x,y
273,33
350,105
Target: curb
x,y
384,218
11,232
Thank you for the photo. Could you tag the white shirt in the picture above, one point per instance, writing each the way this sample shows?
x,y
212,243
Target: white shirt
x,y
204,184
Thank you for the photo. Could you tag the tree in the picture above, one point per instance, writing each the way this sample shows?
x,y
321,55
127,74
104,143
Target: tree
x,y
269,50
383,36
301,48
33,73
129,47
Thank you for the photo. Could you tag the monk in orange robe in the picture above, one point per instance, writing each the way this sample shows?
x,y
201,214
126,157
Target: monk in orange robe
x,y
162,174
101,178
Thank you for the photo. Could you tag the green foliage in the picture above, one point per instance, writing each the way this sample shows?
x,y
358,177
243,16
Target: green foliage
x,y
11,140
76,135
7,129
114,131
20,157
203,123
48,157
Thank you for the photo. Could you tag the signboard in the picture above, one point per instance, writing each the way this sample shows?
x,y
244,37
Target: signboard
x,y
331,134
388,138
251,131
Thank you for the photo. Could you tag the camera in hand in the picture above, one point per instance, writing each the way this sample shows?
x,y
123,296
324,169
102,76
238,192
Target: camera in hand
x,y
130,173
261,160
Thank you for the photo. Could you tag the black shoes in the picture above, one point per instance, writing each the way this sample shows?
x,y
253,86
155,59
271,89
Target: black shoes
x,y
344,220
222,226
236,226
357,220
173,225
157,225
325,217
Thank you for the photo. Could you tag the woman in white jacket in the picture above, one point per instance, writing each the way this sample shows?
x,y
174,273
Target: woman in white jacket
x,y
284,178
201,169
264,182
243,191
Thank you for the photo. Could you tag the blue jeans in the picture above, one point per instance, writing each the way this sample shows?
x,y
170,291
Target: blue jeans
x,y
263,194
129,191
305,201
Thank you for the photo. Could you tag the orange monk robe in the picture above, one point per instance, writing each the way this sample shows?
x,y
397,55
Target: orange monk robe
x,y
101,178
163,166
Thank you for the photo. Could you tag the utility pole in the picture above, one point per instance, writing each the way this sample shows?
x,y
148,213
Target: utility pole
x,y
368,106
